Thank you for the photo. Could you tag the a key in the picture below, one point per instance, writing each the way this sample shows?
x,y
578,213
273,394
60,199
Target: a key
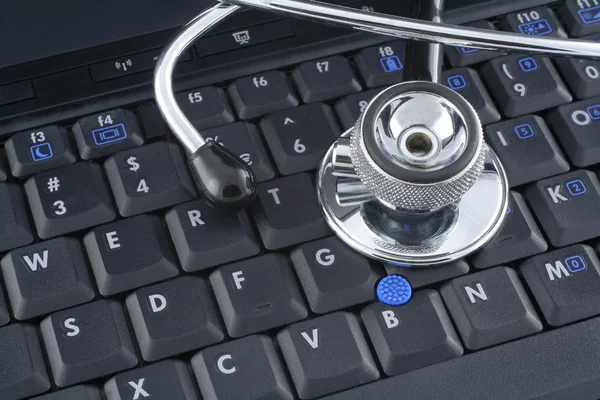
x,y
539,21
257,294
519,237
526,148
206,107
462,56
333,276
524,84
39,150
582,75
426,276
299,137
149,178
467,83
46,277
581,17
153,123
87,342
567,206
413,336
261,94
327,354
325,79
287,212
4,314
15,229
81,392
21,362
205,237
130,253
105,133
350,107
565,283
381,65
244,141
490,307
3,169
247,368
576,126
169,379
174,317
69,199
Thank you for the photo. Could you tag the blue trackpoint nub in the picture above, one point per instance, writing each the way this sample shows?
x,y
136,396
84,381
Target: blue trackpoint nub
x,y
394,290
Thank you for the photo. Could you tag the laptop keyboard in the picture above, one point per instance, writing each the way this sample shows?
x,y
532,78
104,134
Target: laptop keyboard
x,y
119,282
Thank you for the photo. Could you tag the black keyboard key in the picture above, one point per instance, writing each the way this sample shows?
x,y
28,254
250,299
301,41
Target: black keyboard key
x,y
462,56
4,313
46,277
152,121
102,134
287,212
250,366
130,253
81,392
205,237
257,294
539,21
519,237
581,17
174,317
467,83
567,206
565,283
333,276
21,362
3,168
576,127
244,141
327,354
300,137
490,307
349,108
325,79
15,229
419,277
149,178
69,199
526,148
206,107
87,342
524,84
262,94
169,379
15,92
39,150
582,75
382,65
413,336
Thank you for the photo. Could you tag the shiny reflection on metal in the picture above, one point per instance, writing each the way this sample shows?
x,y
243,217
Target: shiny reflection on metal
x,y
352,192
342,163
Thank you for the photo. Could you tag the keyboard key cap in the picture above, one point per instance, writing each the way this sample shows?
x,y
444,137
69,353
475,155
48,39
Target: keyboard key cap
x,y
15,229
524,84
174,317
519,237
22,363
325,79
39,150
81,392
539,21
567,206
382,65
153,123
69,199
262,94
288,212
149,178
106,133
467,83
300,137
582,75
206,107
4,314
169,379
46,277
87,342
413,336
565,283
490,307
333,276
130,253
3,169
349,108
580,17
205,237
257,294
248,368
426,276
526,148
327,354
462,56
244,141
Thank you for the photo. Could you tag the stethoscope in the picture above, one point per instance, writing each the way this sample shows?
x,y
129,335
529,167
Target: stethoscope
x,y
413,183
